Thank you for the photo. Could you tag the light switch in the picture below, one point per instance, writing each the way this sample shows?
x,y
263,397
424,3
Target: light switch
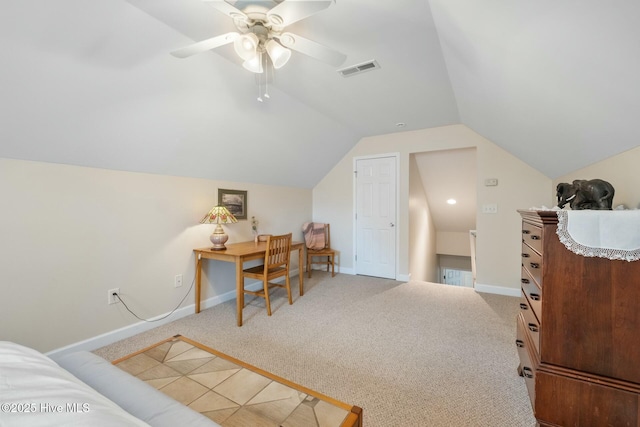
x,y
490,208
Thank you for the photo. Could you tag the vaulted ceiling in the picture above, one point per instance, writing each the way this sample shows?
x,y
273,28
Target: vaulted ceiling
x,y
92,83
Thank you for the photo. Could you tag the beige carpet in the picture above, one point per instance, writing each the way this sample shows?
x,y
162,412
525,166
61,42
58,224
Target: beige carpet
x,y
409,354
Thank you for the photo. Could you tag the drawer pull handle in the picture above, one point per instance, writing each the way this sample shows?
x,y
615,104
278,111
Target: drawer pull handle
x,y
526,232
534,237
535,297
527,372
525,255
533,327
534,265
519,343
525,281
524,306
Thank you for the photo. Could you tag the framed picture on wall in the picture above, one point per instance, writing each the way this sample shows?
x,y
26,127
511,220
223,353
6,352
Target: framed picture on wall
x,y
235,201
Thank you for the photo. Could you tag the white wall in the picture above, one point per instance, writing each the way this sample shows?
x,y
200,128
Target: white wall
x,y
69,234
453,243
454,262
498,245
423,260
621,171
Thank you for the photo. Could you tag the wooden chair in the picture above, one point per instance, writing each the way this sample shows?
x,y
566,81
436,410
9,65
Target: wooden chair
x,y
324,252
276,264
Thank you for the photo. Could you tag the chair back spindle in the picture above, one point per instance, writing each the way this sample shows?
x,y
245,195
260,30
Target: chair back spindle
x,y
279,250
276,265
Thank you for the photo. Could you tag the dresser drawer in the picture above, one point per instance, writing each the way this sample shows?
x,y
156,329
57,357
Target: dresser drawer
x,y
532,235
532,261
574,400
527,369
532,292
531,323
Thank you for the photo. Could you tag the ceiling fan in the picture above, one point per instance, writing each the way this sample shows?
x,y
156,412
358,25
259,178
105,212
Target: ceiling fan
x,y
261,27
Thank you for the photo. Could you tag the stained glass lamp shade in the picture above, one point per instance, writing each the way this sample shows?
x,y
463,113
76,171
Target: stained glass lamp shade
x,y
218,215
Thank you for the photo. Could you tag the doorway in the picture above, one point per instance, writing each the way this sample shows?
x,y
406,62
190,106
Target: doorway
x,y
443,204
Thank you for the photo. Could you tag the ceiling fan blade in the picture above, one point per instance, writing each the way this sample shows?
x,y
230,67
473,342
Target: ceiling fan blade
x,y
227,9
290,11
205,45
312,49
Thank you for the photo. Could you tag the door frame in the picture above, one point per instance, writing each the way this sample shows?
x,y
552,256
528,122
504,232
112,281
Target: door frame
x,y
398,224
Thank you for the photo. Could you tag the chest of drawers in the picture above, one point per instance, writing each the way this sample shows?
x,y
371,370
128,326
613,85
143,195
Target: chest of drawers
x,y
578,331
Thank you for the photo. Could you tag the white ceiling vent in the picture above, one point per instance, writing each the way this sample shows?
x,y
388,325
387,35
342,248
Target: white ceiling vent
x,y
359,68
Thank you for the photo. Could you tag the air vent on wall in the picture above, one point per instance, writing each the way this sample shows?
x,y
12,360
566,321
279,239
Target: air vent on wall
x,y
359,68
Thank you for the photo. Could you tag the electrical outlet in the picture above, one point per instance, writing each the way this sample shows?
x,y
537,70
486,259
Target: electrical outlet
x,y
178,281
112,299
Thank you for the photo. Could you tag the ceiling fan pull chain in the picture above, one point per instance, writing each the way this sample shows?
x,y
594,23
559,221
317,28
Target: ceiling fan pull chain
x,y
266,78
259,76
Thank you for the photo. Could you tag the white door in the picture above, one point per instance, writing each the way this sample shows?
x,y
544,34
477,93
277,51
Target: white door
x,y
457,277
376,217
451,277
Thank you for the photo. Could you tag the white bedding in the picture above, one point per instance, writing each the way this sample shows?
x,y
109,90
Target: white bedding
x,y
35,391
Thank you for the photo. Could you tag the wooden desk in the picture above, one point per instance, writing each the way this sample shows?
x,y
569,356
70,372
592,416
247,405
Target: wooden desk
x,y
238,253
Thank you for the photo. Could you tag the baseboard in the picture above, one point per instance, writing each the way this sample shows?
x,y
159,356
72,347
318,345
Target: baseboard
x,y
352,272
500,290
139,327
338,269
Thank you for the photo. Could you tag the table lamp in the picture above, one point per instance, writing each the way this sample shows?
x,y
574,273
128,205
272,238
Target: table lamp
x,y
218,215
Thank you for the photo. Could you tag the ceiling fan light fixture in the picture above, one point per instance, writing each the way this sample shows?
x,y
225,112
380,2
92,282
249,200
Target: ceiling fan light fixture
x,y
254,64
246,46
279,54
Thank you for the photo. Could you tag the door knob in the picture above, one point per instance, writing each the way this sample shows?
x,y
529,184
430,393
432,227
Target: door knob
x,y
391,224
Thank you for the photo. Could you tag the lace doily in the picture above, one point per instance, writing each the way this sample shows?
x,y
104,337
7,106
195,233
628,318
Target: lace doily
x,y
606,234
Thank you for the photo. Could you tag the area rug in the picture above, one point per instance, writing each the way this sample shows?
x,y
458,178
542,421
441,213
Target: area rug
x,y
233,393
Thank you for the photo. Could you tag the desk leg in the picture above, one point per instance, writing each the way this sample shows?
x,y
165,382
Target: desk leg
x,y
198,280
300,271
239,290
